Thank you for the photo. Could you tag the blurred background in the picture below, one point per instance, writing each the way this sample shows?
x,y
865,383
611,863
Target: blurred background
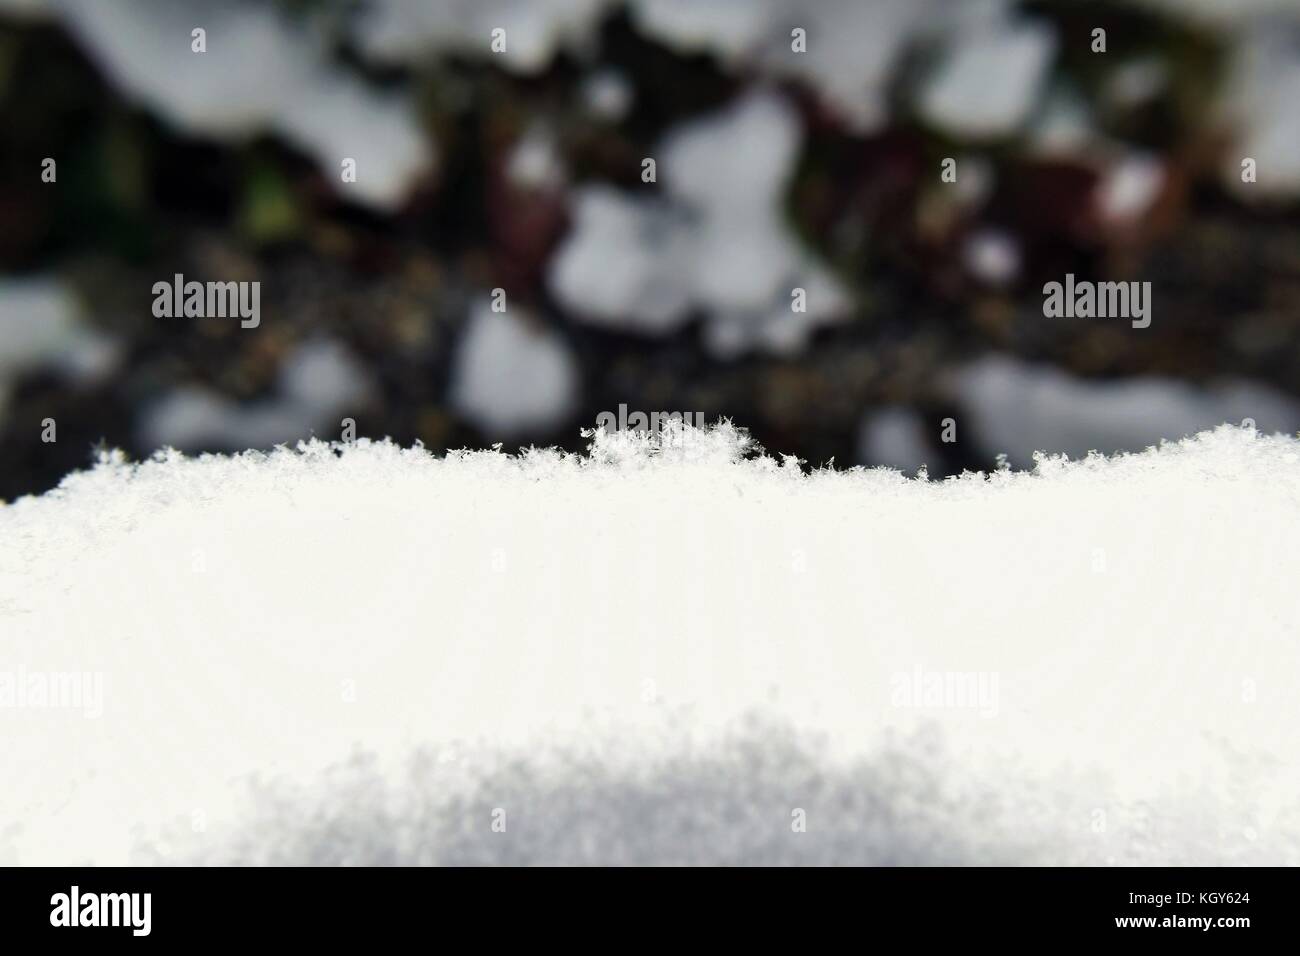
x,y
522,170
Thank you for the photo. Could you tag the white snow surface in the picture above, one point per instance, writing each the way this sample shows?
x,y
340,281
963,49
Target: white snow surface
x,y
656,652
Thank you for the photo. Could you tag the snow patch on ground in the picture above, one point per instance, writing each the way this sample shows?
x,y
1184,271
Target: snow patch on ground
x,y
1018,409
1130,187
1260,99
407,31
258,73
852,47
719,243
42,326
991,79
895,438
512,376
318,381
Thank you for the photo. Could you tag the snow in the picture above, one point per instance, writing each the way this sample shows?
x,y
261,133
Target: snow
x,y
40,320
1261,92
318,382
657,653
535,161
716,241
258,73
852,47
608,94
323,375
1064,127
620,263
1016,408
976,178
409,31
1136,82
893,437
42,325
993,256
991,80
1130,186
193,416
511,376
727,27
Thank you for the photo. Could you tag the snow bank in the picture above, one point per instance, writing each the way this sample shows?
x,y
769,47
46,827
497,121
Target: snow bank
x,y
660,651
